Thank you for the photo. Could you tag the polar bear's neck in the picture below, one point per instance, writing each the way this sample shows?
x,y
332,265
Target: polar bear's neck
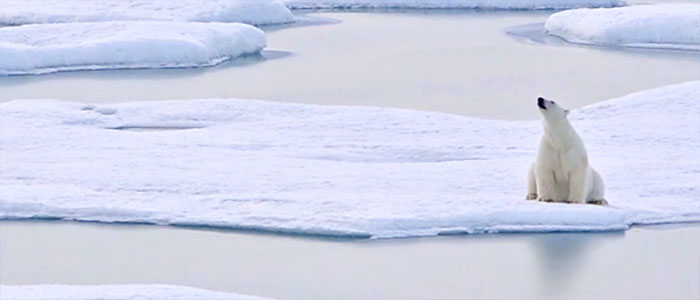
x,y
560,134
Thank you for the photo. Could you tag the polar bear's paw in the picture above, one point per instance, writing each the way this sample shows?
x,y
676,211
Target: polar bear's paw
x,y
572,202
598,202
545,200
531,197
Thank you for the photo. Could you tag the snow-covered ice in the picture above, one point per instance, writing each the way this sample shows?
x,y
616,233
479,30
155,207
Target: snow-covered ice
x,y
336,170
124,292
256,12
477,4
666,26
45,48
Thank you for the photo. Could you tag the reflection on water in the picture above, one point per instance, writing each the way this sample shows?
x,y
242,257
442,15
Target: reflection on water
x,y
561,257
640,263
460,61
535,33
9,82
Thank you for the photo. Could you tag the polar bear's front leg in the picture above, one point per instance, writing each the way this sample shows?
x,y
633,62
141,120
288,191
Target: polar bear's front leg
x,y
545,184
545,180
531,184
578,186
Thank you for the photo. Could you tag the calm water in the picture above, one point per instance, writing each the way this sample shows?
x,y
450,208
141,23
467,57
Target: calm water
x,y
452,61
642,263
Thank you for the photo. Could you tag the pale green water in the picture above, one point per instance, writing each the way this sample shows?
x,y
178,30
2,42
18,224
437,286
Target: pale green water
x,y
642,263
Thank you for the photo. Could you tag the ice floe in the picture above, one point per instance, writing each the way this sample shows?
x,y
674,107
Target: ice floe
x,y
444,4
337,170
256,12
665,26
46,48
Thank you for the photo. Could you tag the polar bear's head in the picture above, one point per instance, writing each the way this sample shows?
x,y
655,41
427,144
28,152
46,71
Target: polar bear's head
x,y
550,110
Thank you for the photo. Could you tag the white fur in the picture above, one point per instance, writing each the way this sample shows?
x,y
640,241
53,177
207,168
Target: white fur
x,y
561,172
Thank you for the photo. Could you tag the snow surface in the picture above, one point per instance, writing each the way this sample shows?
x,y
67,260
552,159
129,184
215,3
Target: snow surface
x,y
478,4
256,12
667,26
103,292
45,48
336,170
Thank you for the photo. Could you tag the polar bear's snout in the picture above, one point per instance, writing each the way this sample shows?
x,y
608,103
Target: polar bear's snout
x,y
543,103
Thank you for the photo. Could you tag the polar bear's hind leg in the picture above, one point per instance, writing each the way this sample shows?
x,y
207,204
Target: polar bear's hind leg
x,y
597,195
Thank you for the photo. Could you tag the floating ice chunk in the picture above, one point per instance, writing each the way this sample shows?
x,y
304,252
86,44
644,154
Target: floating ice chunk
x,y
340,171
478,4
256,12
669,26
45,48
124,291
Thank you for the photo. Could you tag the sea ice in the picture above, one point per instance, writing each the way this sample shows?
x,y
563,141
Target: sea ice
x,y
338,170
477,4
666,26
255,12
46,48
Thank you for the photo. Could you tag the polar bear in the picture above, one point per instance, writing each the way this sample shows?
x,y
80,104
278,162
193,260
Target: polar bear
x,y
561,172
